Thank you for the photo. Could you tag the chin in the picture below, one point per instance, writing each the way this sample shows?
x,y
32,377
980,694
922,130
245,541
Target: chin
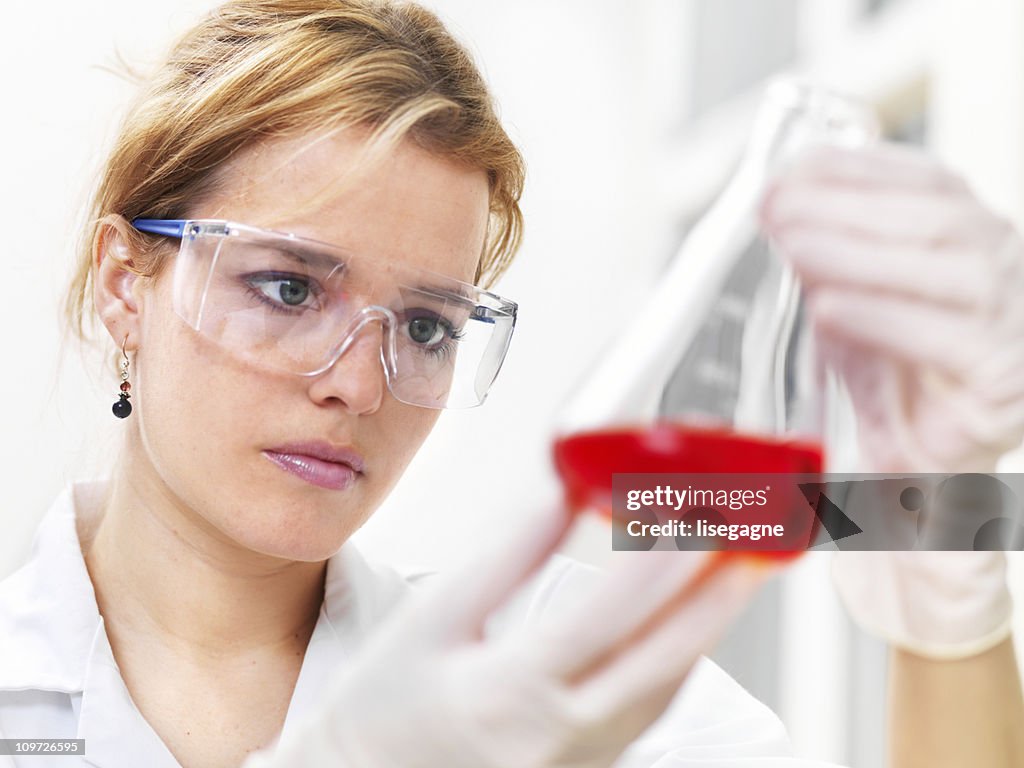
x,y
313,549
305,537
278,514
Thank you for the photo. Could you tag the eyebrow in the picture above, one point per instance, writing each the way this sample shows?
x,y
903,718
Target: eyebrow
x,y
304,254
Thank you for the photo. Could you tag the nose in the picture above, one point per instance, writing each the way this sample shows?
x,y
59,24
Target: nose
x,y
356,379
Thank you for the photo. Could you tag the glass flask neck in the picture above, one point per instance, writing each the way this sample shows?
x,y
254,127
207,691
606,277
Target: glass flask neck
x,y
721,338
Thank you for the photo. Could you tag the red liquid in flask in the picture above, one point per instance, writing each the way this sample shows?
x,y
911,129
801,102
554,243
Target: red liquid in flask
x,y
586,461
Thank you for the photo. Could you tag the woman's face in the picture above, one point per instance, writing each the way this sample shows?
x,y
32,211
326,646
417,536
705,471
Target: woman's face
x,y
205,420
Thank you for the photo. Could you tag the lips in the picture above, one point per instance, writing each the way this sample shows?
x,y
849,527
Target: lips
x,y
318,463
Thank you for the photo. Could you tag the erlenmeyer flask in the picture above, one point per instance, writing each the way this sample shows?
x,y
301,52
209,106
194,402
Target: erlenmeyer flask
x,y
717,372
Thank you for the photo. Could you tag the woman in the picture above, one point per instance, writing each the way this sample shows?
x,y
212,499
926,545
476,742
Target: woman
x,y
284,248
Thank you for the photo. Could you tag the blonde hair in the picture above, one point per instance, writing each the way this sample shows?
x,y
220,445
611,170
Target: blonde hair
x,y
257,69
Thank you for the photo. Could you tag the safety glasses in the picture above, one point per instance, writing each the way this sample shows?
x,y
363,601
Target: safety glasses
x,y
294,304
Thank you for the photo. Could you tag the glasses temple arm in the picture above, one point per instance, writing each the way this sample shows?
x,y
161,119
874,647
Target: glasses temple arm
x,y
167,227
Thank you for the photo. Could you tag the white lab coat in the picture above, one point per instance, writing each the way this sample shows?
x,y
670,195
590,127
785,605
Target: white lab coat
x,y
59,679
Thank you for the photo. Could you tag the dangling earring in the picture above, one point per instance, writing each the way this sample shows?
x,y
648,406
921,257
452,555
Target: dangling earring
x,y
122,408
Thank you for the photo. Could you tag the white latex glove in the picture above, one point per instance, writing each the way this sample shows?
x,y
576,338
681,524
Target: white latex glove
x,y
914,288
428,691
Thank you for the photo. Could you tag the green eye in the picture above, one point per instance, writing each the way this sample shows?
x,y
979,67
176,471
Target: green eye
x,y
292,292
426,330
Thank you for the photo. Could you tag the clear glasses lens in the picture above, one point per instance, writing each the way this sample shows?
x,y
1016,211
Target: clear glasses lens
x,y
293,304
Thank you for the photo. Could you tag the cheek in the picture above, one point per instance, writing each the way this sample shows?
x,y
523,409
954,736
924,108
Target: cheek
x,y
193,409
203,410
401,430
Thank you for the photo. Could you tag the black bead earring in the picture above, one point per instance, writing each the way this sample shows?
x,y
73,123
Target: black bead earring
x,y
122,408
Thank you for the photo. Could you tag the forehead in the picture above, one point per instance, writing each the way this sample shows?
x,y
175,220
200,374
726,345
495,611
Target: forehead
x,y
407,205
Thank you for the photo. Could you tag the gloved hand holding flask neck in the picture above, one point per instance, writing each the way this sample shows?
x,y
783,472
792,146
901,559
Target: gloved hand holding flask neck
x,y
718,371
914,286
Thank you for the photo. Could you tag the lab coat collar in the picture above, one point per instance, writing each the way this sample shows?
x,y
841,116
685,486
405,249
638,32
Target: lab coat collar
x,y
52,636
114,730
357,596
48,613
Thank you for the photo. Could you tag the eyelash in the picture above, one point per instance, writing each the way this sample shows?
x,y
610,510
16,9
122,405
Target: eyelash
x,y
445,349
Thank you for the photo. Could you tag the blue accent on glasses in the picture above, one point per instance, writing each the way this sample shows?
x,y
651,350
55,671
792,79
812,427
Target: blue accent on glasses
x,y
167,227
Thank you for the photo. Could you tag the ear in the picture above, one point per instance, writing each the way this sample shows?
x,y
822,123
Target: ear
x,y
114,281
